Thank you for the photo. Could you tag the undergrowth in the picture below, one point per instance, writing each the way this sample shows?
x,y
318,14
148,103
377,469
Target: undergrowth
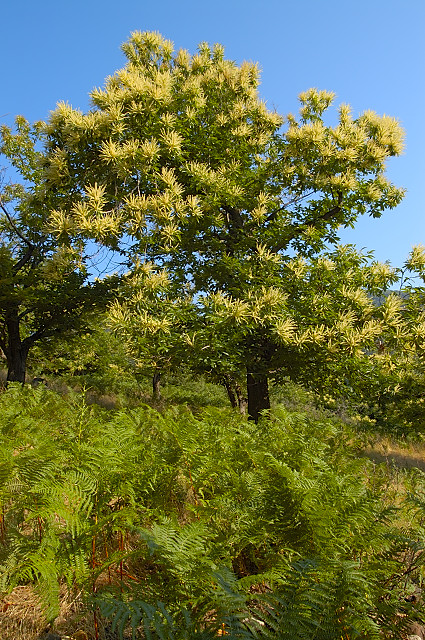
x,y
176,525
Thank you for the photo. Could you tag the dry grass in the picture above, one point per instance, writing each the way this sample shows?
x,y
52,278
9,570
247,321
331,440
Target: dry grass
x,y
21,618
396,455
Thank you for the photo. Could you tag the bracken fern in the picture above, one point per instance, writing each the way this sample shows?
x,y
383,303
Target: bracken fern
x,y
182,526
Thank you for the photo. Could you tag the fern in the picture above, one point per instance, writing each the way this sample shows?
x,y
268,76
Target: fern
x,y
184,526
228,614
321,600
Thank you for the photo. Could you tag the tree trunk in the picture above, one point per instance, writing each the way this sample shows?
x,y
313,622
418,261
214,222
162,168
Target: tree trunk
x,y
234,393
242,400
258,395
243,405
230,392
17,350
156,386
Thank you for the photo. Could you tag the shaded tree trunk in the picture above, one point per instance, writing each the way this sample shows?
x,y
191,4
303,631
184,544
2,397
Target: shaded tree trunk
x,y
235,394
230,391
242,400
257,385
156,386
16,351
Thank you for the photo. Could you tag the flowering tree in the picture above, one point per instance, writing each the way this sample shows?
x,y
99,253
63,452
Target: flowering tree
x,y
181,163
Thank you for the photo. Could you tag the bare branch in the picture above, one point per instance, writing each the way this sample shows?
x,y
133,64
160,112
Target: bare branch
x,y
14,227
28,254
273,214
299,228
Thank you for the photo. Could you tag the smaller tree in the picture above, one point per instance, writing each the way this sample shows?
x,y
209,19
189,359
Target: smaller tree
x,y
44,285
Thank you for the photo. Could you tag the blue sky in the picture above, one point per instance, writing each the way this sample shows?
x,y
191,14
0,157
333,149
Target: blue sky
x,y
371,53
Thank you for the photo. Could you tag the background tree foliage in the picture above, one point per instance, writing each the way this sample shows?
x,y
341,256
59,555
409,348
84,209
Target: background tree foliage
x,y
395,398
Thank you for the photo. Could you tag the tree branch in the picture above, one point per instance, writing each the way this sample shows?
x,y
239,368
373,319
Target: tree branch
x,y
299,228
22,262
13,225
233,216
27,256
39,333
273,214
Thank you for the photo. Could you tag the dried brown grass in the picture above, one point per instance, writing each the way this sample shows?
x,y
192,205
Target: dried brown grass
x,y
409,456
22,618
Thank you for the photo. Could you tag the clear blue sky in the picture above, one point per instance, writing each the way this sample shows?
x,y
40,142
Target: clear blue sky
x,y
371,53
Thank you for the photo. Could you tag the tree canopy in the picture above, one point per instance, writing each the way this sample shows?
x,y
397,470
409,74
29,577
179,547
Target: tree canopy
x,y
180,163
